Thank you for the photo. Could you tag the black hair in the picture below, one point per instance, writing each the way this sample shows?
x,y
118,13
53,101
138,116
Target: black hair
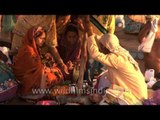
x,y
74,18
72,28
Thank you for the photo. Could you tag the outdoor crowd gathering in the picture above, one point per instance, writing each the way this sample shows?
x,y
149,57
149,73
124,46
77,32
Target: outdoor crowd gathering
x,y
80,59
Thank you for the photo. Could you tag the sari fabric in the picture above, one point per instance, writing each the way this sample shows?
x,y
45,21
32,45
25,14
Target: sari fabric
x,y
29,69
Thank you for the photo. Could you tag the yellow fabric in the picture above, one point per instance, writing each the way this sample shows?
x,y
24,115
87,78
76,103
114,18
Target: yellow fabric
x,y
107,21
110,41
121,96
25,22
121,71
126,95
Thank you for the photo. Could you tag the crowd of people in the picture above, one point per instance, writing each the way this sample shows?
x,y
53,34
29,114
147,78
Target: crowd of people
x,y
46,51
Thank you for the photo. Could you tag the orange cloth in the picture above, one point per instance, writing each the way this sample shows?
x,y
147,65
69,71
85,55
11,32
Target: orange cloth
x,y
28,67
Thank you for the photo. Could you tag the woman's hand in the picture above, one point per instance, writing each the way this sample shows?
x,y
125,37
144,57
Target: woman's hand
x,y
69,65
47,69
64,69
87,25
80,24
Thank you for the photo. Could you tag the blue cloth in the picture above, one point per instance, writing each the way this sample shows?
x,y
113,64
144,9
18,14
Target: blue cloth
x,y
7,76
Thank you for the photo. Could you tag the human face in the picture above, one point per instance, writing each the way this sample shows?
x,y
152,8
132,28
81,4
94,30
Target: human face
x,y
71,37
40,40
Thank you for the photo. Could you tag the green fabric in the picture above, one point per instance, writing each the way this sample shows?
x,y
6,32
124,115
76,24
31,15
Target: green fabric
x,y
5,73
8,22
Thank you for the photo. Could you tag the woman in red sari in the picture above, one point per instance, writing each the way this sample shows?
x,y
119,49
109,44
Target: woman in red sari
x,y
29,69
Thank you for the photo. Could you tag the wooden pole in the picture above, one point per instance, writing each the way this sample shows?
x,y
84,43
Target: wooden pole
x,y
83,61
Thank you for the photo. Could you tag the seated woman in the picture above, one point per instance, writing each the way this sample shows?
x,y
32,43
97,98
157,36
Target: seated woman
x,y
35,76
124,74
70,48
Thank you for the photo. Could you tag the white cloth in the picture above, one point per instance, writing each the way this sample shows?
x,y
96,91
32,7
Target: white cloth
x,y
120,22
151,82
146,46
5,51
